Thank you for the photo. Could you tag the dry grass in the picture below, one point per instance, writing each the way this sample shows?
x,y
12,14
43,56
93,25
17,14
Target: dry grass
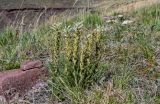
x,y
136,5
109,7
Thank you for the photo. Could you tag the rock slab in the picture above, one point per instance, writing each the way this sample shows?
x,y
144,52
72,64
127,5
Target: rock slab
x,y
27,65
19,81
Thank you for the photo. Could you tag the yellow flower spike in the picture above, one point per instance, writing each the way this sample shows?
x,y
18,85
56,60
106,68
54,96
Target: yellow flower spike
x,y
76,44
82,57
68,47
67,50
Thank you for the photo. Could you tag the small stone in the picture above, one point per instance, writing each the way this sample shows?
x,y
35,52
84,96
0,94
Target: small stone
x,y
126,22
158,61
27,65
120,16
3,100
111,21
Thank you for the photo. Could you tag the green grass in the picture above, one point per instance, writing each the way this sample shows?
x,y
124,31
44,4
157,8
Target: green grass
x,y
93,20
152,13
76,58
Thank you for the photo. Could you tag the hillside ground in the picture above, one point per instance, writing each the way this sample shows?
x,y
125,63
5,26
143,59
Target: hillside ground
x,y
98,57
